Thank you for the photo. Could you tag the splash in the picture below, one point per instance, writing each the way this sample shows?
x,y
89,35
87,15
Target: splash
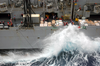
x,y
67,44
69,38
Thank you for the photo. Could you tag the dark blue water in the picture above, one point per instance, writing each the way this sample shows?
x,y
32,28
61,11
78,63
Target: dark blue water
x,y
64,58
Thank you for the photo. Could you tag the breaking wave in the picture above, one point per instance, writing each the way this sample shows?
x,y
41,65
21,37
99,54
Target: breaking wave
x,y
65,47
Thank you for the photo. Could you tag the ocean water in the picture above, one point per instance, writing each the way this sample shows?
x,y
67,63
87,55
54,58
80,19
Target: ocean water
x,y
65,47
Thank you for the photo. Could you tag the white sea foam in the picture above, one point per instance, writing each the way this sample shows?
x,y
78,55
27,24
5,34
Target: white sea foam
x,y
66,38
69,38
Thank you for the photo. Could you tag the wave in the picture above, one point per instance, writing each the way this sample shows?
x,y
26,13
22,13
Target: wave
x,y
65,47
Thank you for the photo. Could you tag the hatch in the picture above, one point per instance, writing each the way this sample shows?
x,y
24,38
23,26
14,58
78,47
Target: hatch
x,y
51,14
95,17
5,16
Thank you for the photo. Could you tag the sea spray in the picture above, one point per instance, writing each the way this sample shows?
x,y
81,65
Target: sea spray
x,y
65,47
69,38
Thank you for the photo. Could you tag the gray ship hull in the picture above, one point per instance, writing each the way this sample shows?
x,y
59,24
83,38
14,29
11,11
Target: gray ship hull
x,y
15,38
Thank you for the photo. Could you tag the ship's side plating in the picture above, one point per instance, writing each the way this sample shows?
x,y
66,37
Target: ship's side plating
x,y
27,38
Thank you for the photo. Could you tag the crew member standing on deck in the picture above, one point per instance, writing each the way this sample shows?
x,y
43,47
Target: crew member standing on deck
x,y
54,16
42,3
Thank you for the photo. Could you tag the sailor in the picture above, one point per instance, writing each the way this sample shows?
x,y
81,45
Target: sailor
x,y
61,17
8,24
10,20
47,19
65,23
42,3
54,16
21,22
21,15
11,24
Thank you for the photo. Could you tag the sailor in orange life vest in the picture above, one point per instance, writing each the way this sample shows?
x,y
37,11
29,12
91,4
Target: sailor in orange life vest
x,y
65,23
11,23
47,19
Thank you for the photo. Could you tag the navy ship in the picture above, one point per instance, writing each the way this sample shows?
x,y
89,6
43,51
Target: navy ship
x,y
26,28
29,28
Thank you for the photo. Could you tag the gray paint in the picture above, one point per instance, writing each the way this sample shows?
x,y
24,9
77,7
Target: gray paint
x,y
83,2
80,2
15,38
23,38
2,1
19,11
17,14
